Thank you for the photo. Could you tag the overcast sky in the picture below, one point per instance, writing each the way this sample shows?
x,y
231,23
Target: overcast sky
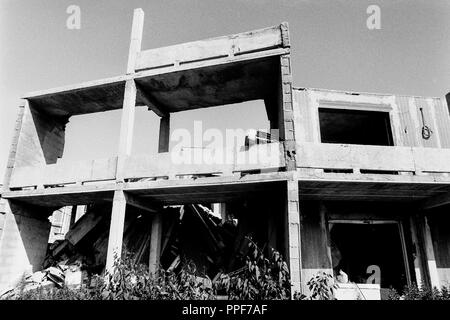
x,y
331,48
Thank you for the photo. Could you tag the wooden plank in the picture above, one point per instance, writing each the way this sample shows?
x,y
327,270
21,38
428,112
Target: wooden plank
x,y
136,39
83,226
220,47
140,203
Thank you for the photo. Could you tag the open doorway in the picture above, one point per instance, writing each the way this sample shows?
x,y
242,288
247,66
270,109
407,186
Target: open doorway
x,y
369,252
355,127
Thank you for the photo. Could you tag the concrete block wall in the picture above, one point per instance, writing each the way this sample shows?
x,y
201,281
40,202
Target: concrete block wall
x,y
23,243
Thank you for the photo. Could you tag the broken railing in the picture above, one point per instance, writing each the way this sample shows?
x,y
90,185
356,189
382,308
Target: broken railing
x,y
359,159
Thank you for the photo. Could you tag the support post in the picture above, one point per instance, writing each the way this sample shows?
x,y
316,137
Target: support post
x,y
286,112
164,134
126,128
293,235
155,243
429,251
136,39
419,267
116,230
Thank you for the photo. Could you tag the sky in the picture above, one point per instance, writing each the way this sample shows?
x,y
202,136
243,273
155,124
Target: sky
x,y
332,48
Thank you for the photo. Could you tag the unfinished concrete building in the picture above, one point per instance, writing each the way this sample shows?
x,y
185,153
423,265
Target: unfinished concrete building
x,y
359,183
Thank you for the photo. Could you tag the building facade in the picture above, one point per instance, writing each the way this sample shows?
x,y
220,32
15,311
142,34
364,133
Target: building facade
x,y
355,184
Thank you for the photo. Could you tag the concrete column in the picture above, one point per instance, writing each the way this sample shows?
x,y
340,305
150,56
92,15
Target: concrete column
x,y
429,251
293,234
287,123
420,269
24,242
155,243
116,229
164,134
126,127
136,39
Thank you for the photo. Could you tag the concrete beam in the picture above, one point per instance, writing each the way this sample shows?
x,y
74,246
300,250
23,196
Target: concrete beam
x,y
150,102
436,201
140,203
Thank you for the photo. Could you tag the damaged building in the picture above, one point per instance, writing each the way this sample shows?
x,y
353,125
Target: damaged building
x,y
356,184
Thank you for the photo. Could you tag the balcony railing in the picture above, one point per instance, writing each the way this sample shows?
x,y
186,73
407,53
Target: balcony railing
x,y
64,173
385,159
170,165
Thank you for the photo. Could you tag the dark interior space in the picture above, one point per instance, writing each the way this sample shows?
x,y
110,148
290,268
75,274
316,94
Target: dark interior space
x,y
355,247
355,127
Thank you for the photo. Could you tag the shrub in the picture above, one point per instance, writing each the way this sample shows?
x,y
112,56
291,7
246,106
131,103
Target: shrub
x,y
423,292
260,279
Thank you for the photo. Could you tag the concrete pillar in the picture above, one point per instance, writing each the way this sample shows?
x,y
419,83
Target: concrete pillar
x,y
24,242
420,268
293,234
155,243
164,134
126,127
116,229
136,39
429,251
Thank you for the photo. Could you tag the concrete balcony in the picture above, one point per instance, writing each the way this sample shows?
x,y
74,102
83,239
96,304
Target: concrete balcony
x,y
361,172
187,163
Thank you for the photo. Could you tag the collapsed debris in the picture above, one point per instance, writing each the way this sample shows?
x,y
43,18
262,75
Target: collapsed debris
x,y
218,245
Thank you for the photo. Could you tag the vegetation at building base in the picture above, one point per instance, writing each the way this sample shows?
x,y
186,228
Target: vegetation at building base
x,y
423,292
261,278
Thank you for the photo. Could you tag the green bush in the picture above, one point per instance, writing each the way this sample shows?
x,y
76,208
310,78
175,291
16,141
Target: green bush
x,y
260,279
423,292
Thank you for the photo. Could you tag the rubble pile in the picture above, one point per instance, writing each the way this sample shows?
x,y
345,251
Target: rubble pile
x,y
192,234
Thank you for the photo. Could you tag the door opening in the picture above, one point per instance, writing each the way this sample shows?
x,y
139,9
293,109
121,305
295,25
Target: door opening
x,y
370,252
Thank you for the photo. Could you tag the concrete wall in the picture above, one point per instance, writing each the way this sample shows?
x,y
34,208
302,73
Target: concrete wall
x,y
24,242
406,118
41,139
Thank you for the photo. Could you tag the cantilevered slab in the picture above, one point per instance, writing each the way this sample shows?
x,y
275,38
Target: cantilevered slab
x,y
193,75
88,97
213,189
370,187
213,85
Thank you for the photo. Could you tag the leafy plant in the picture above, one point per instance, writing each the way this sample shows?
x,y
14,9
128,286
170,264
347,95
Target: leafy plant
x,y
129,281
322,287
261,278
423,292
